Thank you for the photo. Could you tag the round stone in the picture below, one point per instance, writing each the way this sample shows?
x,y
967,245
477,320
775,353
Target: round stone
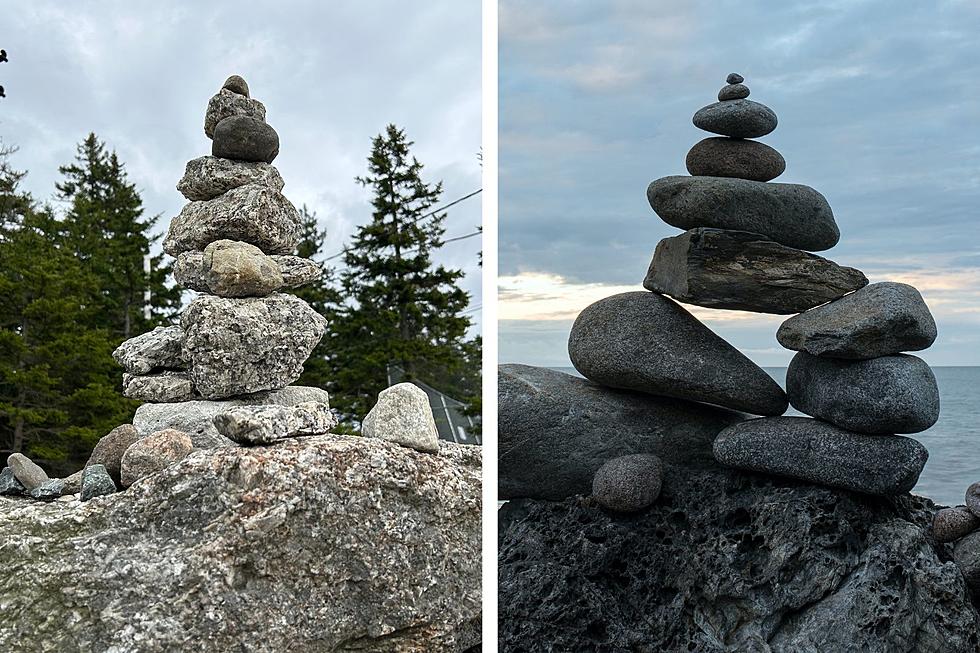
x,y
236,84
628,483
736,118
966,555
733,157
109,450
733,92
973,498
734,78
951,524
244,138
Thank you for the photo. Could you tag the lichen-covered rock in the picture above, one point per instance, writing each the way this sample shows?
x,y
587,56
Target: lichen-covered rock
x,y
96,482
9,485
190,272
239,346
729,561
297,271
252,213
207,177
165,386
26,471
329,543
403,415
251,425
237,269
245,139
628,483
151,454
110,448
157,349
226,103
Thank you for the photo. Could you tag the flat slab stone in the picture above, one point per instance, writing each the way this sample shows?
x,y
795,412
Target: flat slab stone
x,y
790,214
816,452
891,394
226,103
244,138
252,213
157,349
878,320
644,341
255,425
190,271
50,490
403,415
208,177
734,157
739,270
556,430
166,386
736,118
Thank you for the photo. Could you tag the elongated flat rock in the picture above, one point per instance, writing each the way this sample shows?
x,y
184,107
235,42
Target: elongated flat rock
x,y
736,118
644,341
166,386
734,157
891,394
255,425
557,430
790,214
156,349
740,270
208,177
816,452
878,320
190,271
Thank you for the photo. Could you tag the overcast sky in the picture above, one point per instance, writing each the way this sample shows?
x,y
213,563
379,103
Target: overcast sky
x,y
878,110
331,74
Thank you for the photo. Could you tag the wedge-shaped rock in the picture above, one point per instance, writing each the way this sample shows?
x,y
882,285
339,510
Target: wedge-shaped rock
x,y
189,271
736,118
403,415
297,271
791,214
817,452
208,177
644,341
556,431
228,103
166,386
251,425
719,268
157,349
878,320
890,394
252,213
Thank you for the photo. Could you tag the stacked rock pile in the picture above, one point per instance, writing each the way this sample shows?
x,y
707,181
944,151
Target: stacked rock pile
x,y
961,525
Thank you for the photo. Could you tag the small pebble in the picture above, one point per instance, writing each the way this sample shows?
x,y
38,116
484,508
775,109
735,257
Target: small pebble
x,y
628,483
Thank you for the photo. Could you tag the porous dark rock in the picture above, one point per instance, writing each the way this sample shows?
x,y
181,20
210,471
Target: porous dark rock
x,y
227,103
739,270
403,415
208,177
736,118
628,483
731,561
96,482
556,430
236,84
165,386
890,394
733,92
156,349
154,453
253,425
790,214
9,485
951,524
878,320
734,157
244,138
26,471
49,490
817,452
236,269
109,450
644,341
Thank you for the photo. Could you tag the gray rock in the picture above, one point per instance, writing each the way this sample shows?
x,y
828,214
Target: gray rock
x,y
245,139
50,490
817,452
736,118
733,92
734,78
239,346
973,498
319,544
878,320
96,482
734,157
252,213
208,177
237,269
791,214
196,418
227,103
739,270
952,524
109,450
166,386
253,425
891,394
628,483
73,483
9,485
236,84
644,341
403,415
26,471
157,349
556,430
297,271
189,271
966,555
154,453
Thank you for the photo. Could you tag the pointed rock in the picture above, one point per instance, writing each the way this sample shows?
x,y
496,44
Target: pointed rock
x,y
403,415
236,84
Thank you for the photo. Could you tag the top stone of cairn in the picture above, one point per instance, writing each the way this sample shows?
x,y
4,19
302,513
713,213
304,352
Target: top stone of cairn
x,y
735,116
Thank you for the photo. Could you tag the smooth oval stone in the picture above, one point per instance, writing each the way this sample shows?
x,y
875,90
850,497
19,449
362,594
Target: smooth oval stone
x,y
733,157
556,430
878,320
26,471
736,118
790,214
739,270
973,499
816,452
733,92
628,483
644,341
966,555
236,84
153,454
951,524
891,394
244,138
734,78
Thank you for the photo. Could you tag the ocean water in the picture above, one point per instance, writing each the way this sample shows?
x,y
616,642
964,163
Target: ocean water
x,y
953,442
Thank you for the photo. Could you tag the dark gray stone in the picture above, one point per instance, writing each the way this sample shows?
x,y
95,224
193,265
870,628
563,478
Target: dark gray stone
x,y
891,394
244,138
644,341
733,92
236,84
9,485
966,555
733,157
26,471
790,214
719,268
50,490
628,483
96,482
878,320
109,450
973,498
556,430
736,118
952,524
734,78
817,452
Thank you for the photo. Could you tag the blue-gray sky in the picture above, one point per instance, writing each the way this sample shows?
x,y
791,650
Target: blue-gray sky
x,y
878,105
331,74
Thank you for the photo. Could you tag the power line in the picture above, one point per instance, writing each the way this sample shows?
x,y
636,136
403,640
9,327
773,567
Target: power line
x,y
472,309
